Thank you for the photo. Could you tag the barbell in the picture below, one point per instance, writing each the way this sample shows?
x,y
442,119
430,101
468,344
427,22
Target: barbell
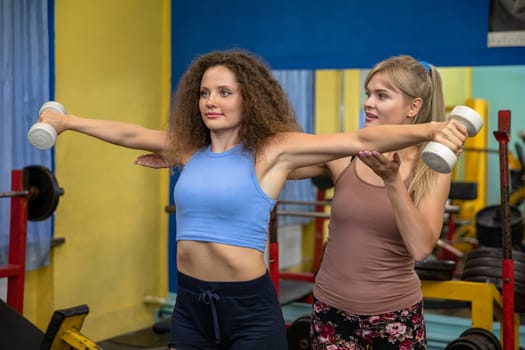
x,y
42,191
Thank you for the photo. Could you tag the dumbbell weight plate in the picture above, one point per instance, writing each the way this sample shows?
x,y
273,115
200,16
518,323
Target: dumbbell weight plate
x,y
439,157
42,136
469,118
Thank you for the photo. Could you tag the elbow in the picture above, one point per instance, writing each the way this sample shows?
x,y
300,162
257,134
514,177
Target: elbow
x,y
421,253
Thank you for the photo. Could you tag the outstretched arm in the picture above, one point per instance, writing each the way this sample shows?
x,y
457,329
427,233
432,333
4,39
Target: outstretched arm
x,y
299,150
118,133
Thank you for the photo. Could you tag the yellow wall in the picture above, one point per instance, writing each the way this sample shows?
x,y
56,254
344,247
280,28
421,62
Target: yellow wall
x,y
337,108
457,85
112,62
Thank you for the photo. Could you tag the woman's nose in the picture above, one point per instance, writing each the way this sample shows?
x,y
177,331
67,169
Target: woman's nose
x,y
210,101
368,102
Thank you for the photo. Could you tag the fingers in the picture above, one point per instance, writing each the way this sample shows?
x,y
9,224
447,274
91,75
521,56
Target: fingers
x,y
54,118
371,157
453,135
384,167
152,161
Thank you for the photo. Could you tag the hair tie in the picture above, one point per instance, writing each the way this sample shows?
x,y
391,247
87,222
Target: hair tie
x,y
427,66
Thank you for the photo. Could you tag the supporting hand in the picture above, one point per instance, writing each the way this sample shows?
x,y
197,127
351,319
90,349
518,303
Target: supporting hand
x,y
384,167
152,160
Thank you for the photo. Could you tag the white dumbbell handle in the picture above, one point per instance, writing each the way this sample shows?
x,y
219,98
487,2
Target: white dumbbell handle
x,y
43,135
441,158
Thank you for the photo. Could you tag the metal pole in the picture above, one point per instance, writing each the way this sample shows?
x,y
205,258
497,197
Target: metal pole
x,y
502,136
273,250
17,245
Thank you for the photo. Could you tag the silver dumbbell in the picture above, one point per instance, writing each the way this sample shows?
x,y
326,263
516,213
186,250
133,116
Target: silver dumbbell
x,y
43,135
441,158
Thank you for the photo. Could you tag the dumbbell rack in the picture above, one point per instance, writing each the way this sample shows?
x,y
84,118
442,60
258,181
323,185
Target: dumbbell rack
x,y
15,268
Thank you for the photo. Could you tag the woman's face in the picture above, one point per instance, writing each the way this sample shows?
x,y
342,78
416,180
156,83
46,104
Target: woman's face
x,y
386,104
220,101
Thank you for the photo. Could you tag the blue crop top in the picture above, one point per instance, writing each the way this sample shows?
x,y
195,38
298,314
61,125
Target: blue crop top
x,y
218,199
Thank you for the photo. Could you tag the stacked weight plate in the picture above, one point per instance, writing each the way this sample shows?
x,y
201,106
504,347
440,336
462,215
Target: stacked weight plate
x,y
484,264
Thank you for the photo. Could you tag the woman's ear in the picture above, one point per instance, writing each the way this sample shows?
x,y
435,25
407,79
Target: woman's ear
x,y
415,106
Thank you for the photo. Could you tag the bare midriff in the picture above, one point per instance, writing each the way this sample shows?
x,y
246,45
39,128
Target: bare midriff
x,y
219,262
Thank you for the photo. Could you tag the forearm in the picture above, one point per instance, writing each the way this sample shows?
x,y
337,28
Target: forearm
x,y
118,133
386,138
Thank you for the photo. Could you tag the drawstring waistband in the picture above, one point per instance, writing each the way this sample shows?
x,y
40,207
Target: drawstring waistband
x,y
209,297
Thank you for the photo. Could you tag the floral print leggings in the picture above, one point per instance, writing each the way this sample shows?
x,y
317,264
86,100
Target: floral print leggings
x,y
333,329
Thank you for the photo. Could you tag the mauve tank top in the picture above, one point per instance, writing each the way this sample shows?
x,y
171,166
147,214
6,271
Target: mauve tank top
x,y
366,268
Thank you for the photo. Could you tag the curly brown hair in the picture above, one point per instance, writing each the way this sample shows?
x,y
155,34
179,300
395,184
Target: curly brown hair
x,y
266,108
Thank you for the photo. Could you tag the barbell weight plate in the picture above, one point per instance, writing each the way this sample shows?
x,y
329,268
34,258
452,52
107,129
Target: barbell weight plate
x,y
436,265
490,271
519,267
489,226
44,192
298,334
495,253
434,275
490,338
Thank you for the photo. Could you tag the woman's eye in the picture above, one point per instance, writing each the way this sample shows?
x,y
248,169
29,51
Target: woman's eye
x,y
204,93
225,93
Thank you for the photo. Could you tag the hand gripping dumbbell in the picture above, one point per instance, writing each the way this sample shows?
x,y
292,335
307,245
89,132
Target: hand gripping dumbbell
x,y
441,158
43,135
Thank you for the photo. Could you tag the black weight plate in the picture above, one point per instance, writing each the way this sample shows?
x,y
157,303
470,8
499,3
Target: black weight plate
x,y
489,226
298,334
436,265
490,338
489,271
490,217
47,192
519,268
490,261
434,275
494,253
462,344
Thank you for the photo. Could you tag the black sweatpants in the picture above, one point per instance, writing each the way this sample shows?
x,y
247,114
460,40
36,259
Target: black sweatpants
x,y
227,315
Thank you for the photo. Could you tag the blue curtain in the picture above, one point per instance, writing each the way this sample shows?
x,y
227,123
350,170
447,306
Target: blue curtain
x,y
299,85
25,83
